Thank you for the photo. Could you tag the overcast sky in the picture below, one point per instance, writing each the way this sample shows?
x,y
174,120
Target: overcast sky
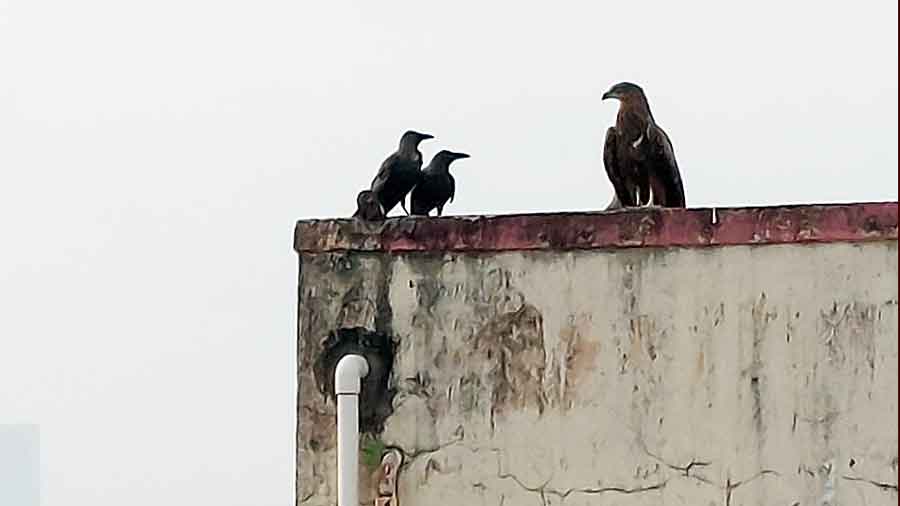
x,y
155,155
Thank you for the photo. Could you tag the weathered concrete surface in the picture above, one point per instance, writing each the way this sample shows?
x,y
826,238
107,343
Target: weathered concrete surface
x,y
740,375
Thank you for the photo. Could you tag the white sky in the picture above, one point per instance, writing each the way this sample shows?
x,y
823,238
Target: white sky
x,y
155,155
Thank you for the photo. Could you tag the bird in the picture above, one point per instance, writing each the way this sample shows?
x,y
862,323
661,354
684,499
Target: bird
x,y
367,207
437,186
400,172
638,155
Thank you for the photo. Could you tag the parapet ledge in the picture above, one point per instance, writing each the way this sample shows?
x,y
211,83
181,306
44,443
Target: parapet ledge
x,y
632,228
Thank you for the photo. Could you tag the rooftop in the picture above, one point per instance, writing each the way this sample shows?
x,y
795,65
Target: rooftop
x,y
653,227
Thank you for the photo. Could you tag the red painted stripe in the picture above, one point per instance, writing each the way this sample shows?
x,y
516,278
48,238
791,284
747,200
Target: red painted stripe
x,y
617,229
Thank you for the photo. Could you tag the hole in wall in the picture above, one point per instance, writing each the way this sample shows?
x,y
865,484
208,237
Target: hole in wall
x,y
376,397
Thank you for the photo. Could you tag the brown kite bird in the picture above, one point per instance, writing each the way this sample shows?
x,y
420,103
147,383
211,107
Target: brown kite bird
x,y
638,155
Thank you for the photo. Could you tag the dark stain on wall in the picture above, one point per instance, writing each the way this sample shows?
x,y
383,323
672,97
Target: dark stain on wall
x,y
514,344
375,396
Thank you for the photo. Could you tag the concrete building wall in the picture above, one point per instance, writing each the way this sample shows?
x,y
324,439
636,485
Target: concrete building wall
x,y
719,367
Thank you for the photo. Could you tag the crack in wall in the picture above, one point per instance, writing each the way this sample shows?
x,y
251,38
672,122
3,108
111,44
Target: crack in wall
x,y
879,484
685,470
730,487
543,490
410,457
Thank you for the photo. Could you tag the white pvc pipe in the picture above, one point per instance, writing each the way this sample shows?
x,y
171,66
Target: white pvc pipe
x,y
347,375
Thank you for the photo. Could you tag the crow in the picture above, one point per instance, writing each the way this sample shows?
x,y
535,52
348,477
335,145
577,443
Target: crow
x,y
400,172
437,186
367,207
